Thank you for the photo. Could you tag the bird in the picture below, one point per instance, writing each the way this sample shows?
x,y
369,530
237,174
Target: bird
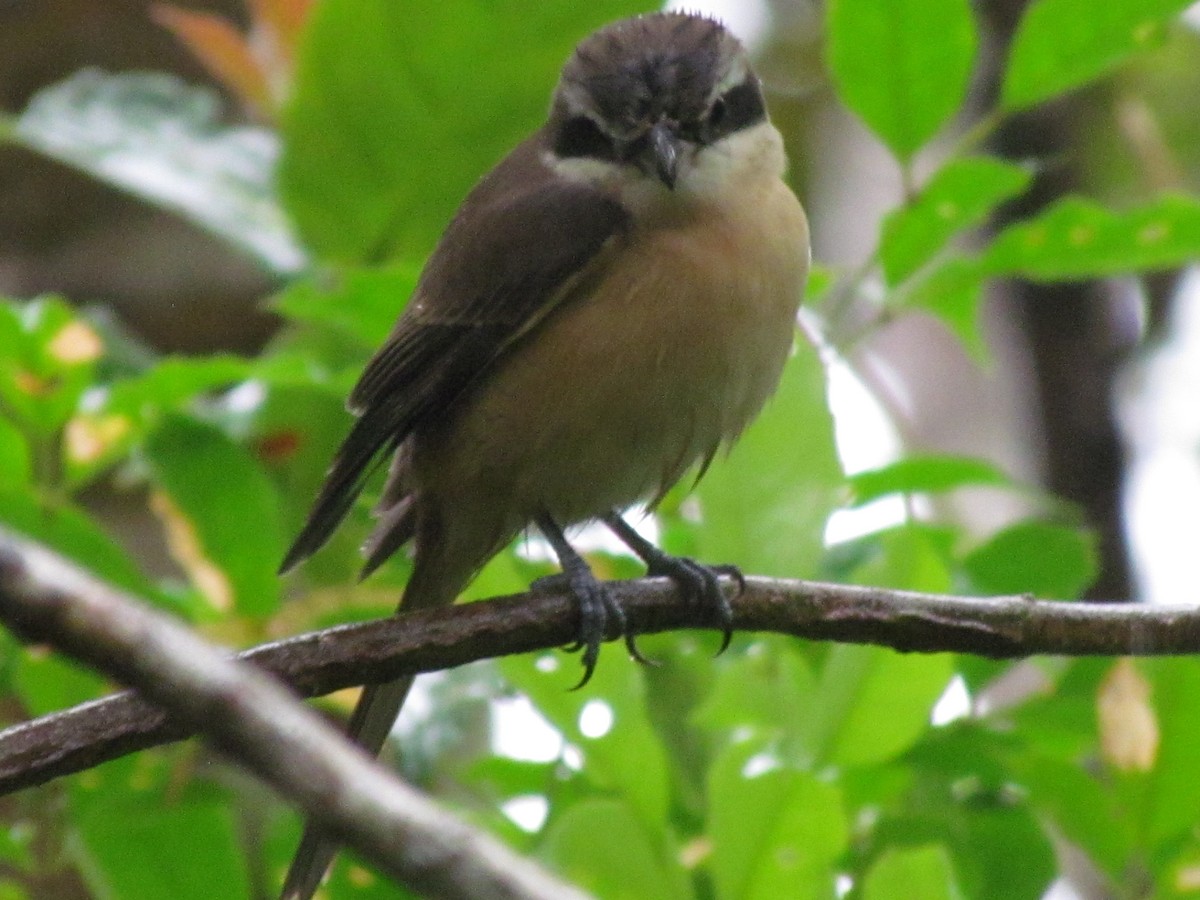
x,y
611,305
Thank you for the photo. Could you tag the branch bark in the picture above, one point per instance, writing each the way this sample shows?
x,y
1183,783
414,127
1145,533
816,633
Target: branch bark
x,y
320,662
255,720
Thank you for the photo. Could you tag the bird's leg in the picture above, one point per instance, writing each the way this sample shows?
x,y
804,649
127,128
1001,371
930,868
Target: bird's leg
x,y
596,605
696,581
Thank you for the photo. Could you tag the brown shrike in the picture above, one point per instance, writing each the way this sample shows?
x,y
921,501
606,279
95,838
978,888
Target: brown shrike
x,y
611,304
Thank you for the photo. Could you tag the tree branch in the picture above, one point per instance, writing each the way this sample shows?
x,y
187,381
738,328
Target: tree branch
x,y
254,719
428,640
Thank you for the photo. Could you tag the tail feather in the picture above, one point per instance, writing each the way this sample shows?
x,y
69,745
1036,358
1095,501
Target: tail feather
x,y
371,722
396,526
442,568
395,513
377,430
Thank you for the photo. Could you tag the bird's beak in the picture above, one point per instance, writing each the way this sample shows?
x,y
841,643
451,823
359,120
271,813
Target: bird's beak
x,y
663,153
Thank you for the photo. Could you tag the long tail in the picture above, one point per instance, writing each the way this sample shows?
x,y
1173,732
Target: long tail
x,y
444,563
373,718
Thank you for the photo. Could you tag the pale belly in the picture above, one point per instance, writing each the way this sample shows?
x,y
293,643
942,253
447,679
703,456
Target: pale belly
x,y
621,391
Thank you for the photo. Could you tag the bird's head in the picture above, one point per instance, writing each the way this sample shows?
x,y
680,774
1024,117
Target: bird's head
x,y
651,92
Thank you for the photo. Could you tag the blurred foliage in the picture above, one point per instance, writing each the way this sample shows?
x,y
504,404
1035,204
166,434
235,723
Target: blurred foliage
x,y
781,768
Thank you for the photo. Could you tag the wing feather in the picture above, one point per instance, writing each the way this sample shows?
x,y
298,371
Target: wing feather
x,y
518,244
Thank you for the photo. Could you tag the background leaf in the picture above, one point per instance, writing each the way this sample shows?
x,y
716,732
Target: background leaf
x,y
959,196
156,137
627,760
845,727
604,848
73,533
776,832
362,304
1077,238
953,292
924,872
1062,44
373,165
902,65
227,511
1034,557
137,847
923,475
15,463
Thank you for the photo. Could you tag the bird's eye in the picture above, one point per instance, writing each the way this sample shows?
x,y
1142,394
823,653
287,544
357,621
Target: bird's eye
x,y
716,115
580,136
743,106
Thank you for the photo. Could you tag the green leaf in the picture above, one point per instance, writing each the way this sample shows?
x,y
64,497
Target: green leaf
x,y
902,65
953,293
626,758
959,196
602,846
224,514
924,872
17,854
397,110
1062,44
1080,807
958,791
16,466
820,279
295,432
1076,238
313,360
762,689
913,556
1062,724
504,778
138,846
1034,557
776,832
350,879
175,380
47,683
1171,788
764,508
162,140
74,534
47,361
361,303
846,727
105,434
924,475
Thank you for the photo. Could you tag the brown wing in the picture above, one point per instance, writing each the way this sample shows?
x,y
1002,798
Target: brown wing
x,y
505,261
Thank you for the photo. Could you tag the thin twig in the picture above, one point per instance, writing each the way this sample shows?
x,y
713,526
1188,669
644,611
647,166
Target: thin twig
x,y
318,663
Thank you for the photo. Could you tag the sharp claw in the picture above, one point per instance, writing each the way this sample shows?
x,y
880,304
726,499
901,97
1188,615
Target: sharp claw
x,y
726,637
699,584
635,653
597,610
724,609
591,655
594,610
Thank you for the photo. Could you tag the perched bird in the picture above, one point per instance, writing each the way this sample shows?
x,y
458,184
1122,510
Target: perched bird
x,y
612,304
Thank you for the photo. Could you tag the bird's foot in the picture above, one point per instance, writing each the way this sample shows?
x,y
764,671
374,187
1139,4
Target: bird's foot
x,y
700,584
599,613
